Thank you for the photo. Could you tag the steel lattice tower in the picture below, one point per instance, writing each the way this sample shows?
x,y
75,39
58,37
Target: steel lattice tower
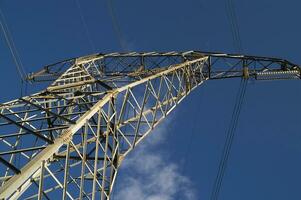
x,y
68,141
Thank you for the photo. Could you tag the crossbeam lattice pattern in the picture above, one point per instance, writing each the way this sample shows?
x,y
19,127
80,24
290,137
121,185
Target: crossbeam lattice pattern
x,y
68,141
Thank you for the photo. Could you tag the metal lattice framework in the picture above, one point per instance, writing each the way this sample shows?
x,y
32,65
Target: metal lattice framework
x,y
68,141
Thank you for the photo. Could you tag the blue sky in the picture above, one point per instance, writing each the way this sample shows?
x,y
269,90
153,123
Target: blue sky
x,y
265,159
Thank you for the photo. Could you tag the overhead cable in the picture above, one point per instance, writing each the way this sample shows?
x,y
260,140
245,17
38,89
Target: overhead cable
x,y
116,26
229,140
88,35
232,17
10,43
234,26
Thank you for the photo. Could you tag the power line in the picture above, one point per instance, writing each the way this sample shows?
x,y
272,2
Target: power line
x,y
229,140
88,35
14,52
10,43
230,10
116,26
234,26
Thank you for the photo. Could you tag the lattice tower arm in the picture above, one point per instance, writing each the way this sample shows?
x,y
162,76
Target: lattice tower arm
x,y
69,140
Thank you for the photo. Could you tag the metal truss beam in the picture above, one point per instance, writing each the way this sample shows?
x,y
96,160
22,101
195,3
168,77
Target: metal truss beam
x,y
69,140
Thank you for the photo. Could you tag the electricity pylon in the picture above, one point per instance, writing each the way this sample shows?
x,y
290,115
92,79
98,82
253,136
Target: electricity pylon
x,y
68,141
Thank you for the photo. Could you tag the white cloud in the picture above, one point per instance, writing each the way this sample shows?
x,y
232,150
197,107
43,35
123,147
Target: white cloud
x,y
148,174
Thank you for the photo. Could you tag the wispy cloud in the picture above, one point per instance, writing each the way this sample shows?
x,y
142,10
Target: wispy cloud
x,y
148,174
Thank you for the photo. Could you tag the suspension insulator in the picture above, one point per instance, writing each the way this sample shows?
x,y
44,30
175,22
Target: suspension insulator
x,y
246,74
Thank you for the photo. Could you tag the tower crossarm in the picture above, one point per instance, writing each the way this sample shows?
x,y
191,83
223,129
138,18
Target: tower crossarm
x,y
218,65
222,66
